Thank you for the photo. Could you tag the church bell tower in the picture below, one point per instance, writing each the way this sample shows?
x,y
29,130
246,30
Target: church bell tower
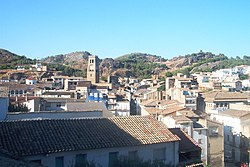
x,y
93,69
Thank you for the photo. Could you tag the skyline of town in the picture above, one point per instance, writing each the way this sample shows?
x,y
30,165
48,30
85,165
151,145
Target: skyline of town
x,y
125,83
199,119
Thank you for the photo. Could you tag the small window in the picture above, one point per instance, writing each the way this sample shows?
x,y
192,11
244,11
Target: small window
x,y
81,160
213,131
113,157
199,141
59,162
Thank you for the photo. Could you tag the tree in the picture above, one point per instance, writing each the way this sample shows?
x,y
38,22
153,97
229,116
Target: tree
x,y
243,77
169,74
18,108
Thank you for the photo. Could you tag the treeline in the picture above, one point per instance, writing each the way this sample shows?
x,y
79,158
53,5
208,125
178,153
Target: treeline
x,y
223,62
143,69
66,70
17,61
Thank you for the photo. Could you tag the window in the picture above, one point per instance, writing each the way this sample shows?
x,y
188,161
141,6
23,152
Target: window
x,y
213,131
199,141
81,160
59,162
159,154
58,105
132,155
113,157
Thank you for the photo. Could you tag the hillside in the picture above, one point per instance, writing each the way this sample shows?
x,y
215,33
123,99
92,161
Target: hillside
x,y
134,64
11,60
77,60
141,65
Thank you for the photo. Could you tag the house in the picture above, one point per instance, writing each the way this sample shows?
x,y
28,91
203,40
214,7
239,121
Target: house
x,y
65,109
236,132
220,100
30,81
31,102
190,152
83,87
160,108
59,94
200,135
185,96
16,89
215,140
232,86
4,101
119,105
180,121
67,142
70,83
183,89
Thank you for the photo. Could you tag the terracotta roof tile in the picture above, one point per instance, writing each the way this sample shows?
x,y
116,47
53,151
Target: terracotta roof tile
x,y
225,96
32,137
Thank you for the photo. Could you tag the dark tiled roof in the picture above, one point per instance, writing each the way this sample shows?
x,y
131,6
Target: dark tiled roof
x,y
32,137
186,143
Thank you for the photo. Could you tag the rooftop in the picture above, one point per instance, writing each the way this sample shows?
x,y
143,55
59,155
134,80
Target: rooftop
x,y
87,106
186,143
166,111
225,96
33,137
235,113
181,118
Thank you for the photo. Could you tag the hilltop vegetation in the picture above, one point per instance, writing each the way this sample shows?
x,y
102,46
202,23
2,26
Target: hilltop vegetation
x,y
140,65
10,60
211,62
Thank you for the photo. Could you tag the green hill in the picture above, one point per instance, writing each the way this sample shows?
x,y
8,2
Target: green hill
x,y
9,60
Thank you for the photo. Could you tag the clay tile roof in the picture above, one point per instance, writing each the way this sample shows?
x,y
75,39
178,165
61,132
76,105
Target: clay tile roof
x,y
221,95
235,113
33,137
181,118
165,111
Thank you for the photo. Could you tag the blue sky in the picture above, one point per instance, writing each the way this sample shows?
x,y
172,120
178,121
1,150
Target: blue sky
x,y
111,28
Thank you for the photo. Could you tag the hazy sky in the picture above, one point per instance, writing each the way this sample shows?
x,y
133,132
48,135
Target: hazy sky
x,y
110,28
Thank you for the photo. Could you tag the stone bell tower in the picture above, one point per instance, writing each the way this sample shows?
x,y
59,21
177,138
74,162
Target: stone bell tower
x,y
93,69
